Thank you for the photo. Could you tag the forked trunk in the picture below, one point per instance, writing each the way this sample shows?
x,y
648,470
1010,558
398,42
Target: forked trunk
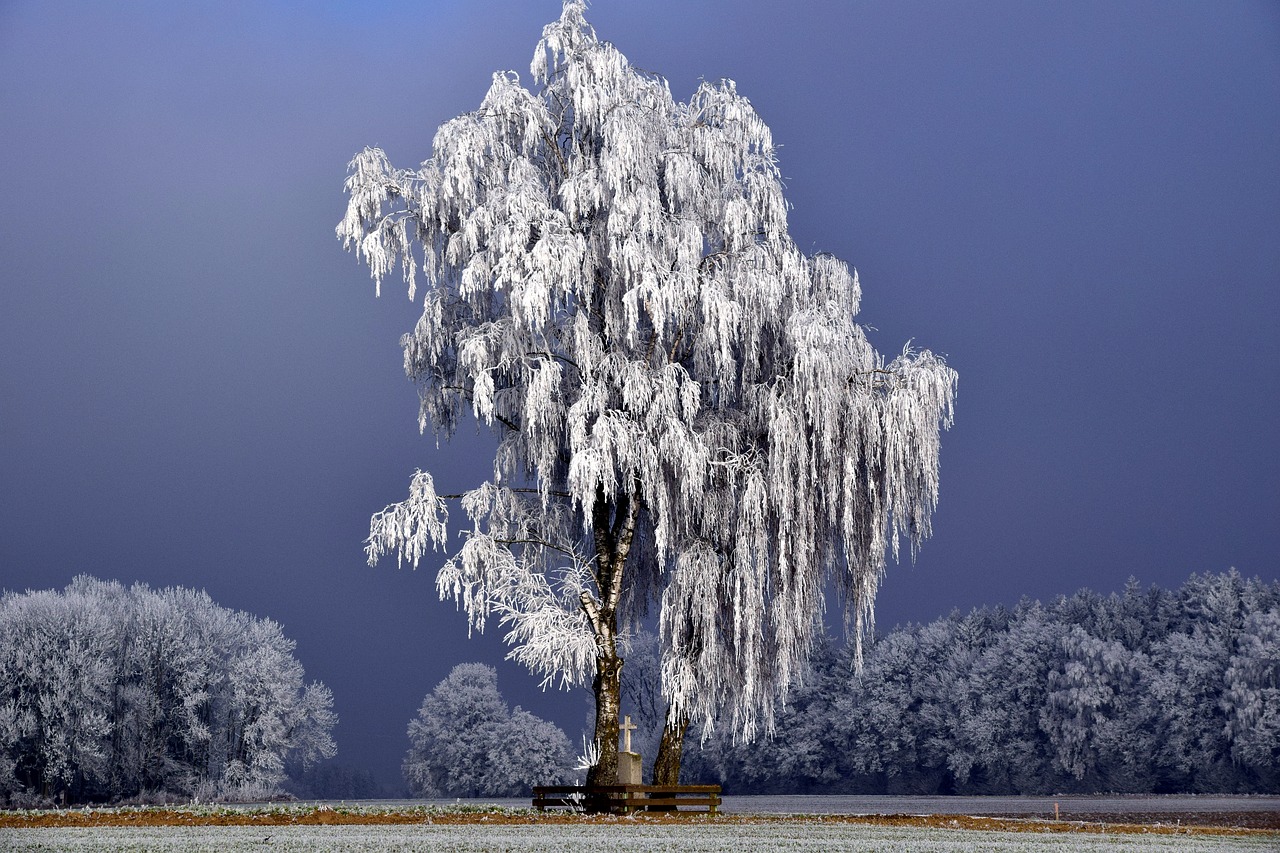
x,y
666,766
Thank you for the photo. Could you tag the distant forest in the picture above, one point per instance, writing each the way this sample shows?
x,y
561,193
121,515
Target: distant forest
x,y
1148,691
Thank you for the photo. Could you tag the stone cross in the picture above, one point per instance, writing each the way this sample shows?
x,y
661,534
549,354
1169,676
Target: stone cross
x,y
627,728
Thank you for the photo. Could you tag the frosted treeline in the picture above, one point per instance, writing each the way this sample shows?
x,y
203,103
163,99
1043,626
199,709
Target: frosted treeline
x,y
108,693
1149,691
466,742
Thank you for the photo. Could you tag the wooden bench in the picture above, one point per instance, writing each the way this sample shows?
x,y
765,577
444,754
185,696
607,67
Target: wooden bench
x,y
627,799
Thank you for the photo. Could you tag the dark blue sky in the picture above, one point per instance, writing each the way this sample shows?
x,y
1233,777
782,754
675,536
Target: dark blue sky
x,y
1079,203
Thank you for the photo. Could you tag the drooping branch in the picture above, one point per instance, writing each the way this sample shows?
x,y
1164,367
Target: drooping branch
x,y
466,394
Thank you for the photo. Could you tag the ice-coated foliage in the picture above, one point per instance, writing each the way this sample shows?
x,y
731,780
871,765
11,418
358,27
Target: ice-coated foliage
x,y
1083,707
1149,691
108,692
466,742
688,414
1252,697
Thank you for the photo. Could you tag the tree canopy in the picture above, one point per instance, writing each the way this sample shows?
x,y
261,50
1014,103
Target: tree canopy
x,y
688,415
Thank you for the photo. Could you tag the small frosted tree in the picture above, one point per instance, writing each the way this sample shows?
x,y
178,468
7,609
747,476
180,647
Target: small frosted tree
x,y
466,742
687,413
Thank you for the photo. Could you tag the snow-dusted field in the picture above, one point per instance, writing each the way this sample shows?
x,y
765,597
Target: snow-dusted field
x,y
776,833
1119,805
601,839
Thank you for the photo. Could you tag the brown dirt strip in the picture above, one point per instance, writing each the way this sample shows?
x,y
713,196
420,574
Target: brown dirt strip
x,y
1105,824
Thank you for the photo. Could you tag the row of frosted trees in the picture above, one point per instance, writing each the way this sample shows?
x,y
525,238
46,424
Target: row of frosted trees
x,y
1149,691
110,693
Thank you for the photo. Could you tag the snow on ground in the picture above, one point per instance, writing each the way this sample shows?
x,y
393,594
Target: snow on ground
x,y
1029,806
602,839
859,804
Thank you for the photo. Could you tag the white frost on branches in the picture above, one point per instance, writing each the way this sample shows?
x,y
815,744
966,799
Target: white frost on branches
x,y
109,692
610,285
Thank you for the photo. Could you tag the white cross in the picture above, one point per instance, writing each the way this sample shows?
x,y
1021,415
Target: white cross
x,y
627,728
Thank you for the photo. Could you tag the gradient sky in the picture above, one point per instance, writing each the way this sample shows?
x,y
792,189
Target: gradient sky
x,y
1078,203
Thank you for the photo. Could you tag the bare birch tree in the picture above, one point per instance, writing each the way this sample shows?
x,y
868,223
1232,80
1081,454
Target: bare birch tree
x,y
688,415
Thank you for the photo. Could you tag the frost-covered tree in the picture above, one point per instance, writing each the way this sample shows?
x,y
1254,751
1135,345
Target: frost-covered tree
x,y
1252,697
108,693
1086,704
272,715
466,742
688,415
1179,711
55,690
1005,692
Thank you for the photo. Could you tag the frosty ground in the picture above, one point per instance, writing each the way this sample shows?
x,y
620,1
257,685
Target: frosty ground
x,y
798,835
749,824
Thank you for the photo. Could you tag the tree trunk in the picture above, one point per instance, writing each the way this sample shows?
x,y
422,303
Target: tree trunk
x,y
666,766
613,528
608,690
